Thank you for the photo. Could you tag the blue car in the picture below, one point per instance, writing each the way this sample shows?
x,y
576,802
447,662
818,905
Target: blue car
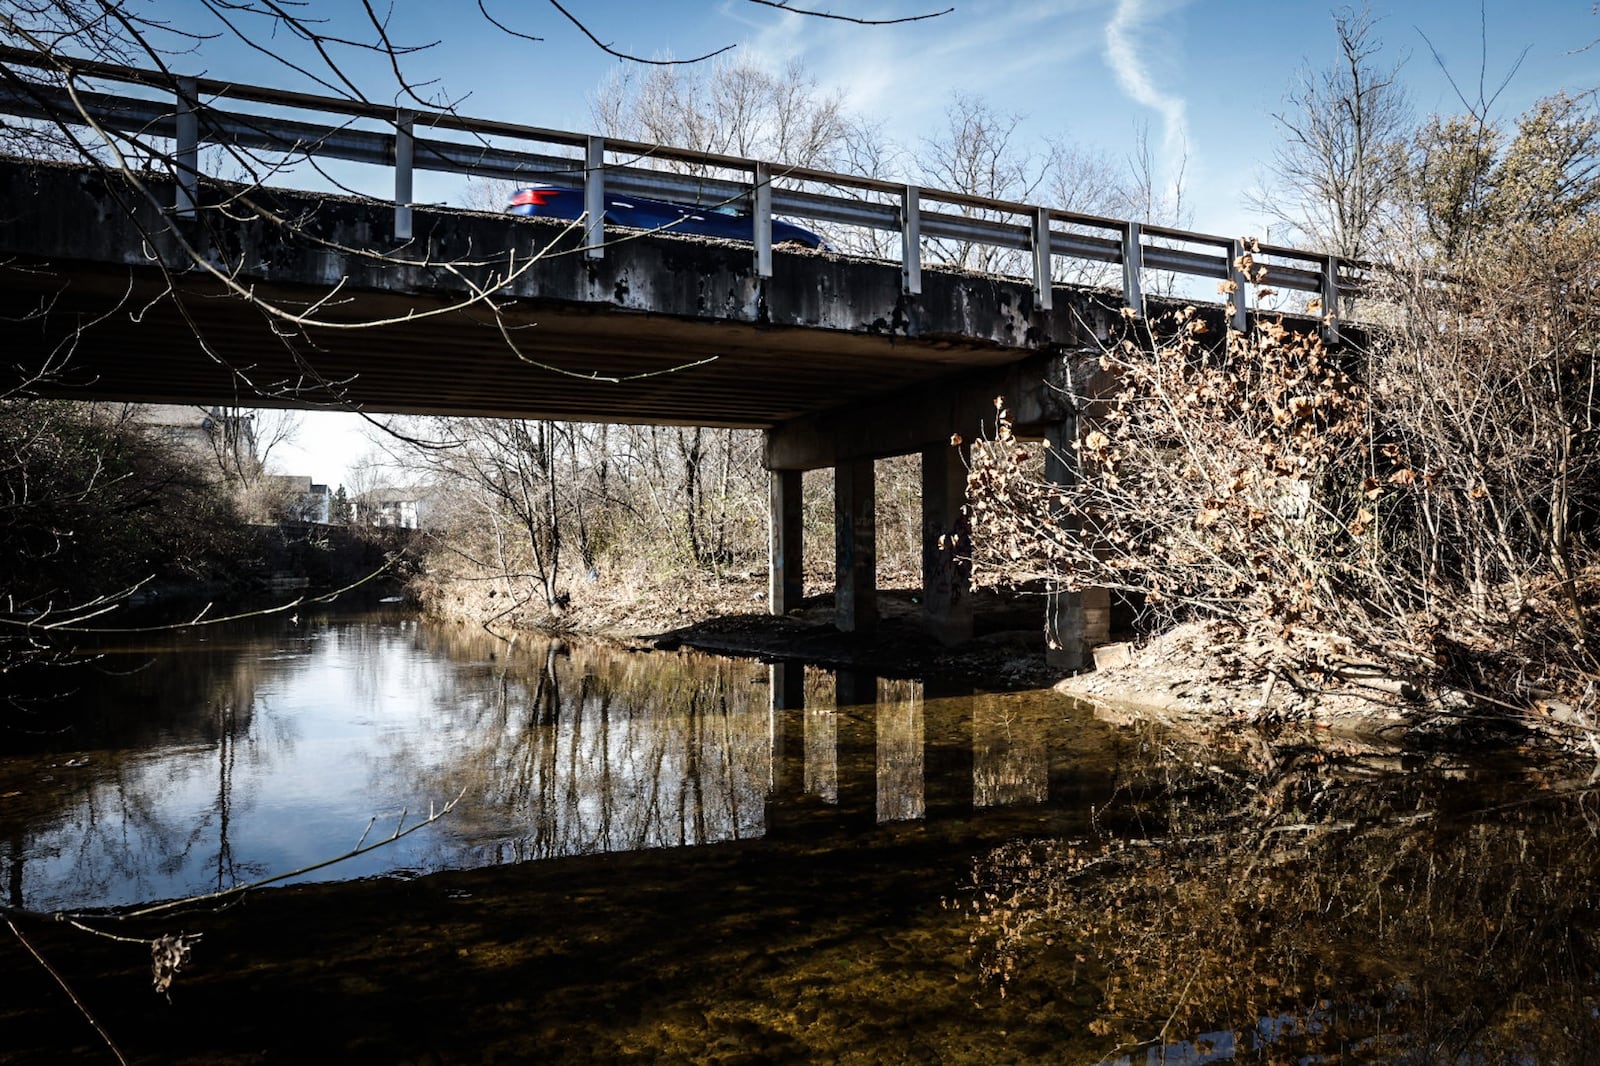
x,y
554,201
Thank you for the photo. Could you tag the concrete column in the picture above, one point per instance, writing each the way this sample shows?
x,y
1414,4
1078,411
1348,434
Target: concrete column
x,y
785,558
1066,647
946,559
855,583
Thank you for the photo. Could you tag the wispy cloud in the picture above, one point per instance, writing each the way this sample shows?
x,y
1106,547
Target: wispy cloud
x,y
1006,51
1127,46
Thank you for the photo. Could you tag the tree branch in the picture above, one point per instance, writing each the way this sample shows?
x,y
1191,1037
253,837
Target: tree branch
x,y
783,5
598,43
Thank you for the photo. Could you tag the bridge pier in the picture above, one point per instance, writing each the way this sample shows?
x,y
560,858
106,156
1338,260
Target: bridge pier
x,y
921,421
785,553
946,569
855,546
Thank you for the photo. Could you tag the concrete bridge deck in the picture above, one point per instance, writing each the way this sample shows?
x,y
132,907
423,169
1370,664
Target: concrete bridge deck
x,y
664,329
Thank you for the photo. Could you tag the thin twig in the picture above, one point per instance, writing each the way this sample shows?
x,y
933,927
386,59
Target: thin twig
x,y
239,890
68,625
76,1002
606,48
783,5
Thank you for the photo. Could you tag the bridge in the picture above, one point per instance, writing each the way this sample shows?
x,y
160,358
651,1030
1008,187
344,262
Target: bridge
x,y
183,266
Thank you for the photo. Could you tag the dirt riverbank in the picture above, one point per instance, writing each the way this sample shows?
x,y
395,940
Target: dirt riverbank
x,y
1190,679
1007,653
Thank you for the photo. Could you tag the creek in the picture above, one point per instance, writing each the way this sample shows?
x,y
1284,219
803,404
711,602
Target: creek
x,y
680,857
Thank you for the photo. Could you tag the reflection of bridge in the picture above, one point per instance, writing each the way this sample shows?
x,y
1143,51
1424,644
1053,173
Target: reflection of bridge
x,y
155,284
883,751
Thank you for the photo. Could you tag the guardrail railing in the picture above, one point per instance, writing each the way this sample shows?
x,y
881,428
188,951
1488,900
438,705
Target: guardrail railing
x,y
187,115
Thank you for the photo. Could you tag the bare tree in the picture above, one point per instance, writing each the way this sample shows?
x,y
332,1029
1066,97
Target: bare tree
x,y
979,150
243,440
1344,130
731,108
1146,195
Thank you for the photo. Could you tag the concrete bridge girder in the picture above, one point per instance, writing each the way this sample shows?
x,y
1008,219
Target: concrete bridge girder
x,y
664,329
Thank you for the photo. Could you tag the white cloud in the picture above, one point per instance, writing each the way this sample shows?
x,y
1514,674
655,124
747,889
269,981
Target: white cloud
x,y
1016,55
1127,50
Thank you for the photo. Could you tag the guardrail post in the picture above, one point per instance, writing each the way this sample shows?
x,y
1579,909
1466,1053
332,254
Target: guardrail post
x,y
594,199
187,149
911,240
762,217
1240,320
1330,300
1041,259
404,156
1133,266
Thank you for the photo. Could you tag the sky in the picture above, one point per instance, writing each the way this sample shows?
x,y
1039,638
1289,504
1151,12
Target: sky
x,y
1203,78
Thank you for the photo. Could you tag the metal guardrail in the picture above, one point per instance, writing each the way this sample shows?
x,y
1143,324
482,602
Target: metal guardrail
x,y
190,119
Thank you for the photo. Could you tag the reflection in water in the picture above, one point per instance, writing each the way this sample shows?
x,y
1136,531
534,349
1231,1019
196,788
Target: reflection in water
x,y
1125,904
225,755
822,749
900,762
1297,915
1013,764
589,752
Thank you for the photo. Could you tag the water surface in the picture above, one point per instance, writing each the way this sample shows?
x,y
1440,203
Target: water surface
x,y
212,757
721,859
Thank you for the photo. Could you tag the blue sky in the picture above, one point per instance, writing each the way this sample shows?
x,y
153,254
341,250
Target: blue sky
x,y
1204,76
